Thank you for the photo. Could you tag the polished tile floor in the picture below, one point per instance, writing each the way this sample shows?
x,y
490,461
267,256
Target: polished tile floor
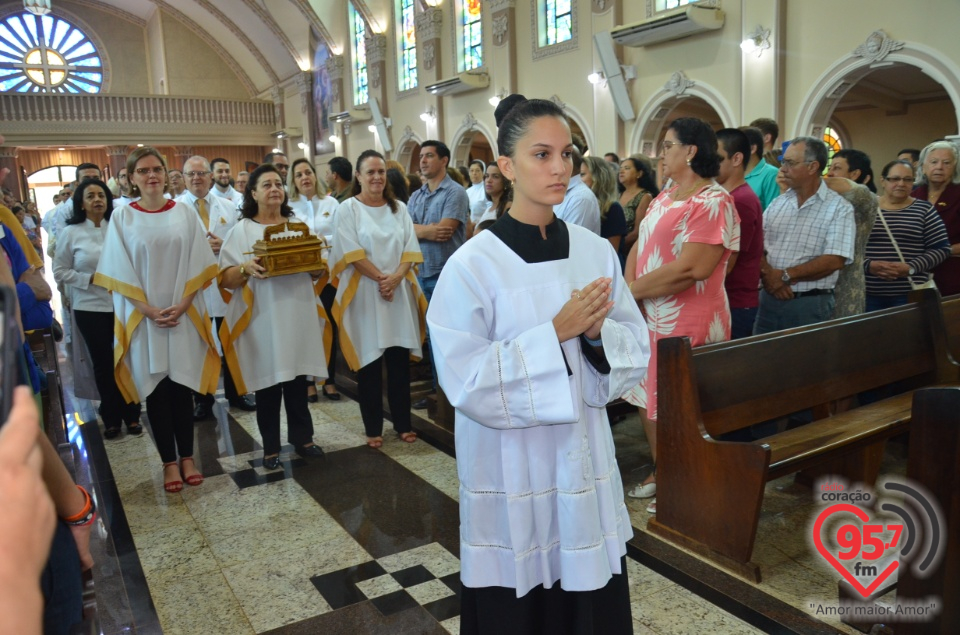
x,y
366,541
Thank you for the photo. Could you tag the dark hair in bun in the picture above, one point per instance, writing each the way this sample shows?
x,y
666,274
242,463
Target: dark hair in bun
x,y
697,132
514,114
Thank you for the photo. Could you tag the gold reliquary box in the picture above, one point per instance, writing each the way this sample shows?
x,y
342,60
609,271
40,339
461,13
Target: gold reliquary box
x,y
289,248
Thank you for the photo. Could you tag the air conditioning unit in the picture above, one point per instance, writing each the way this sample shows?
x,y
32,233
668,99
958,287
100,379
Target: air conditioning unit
x,y
348,116
671,25
471,80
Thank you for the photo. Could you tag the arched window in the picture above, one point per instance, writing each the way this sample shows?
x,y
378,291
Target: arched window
x,y
358,34
559,21
666,5
470,35
47,54
832,139
407,45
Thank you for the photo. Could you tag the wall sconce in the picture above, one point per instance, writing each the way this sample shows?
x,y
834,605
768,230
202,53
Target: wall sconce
x,y
596,77
302,145
757,42
334,138
372,129
429,116
495,100
433,3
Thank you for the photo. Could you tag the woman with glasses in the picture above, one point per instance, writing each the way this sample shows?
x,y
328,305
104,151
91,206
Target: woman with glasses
x,y
940,186
909,225
677,267
156,260
311,203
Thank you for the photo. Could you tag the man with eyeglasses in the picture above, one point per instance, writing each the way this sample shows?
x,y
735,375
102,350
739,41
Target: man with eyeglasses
x,y
760,175
809,236
281,162
216,215
175,181
124,183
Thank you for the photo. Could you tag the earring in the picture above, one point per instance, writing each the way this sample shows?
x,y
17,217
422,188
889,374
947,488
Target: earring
x,y
689,161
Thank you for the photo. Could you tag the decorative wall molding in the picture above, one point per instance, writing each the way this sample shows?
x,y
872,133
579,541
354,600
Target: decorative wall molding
x,y
108,8
9,152
679,83
429,55
501,5
240,35
118,151
271,24
68,119
305,86
601,6
501,27
559,102
375,75
335,66
541,51
469,122
202,33
428,24
307,11
877,46
376,48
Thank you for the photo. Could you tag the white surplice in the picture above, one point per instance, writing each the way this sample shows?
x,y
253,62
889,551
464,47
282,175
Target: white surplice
x,y
274,328
320,216
222,217
541,498
369,324
158,258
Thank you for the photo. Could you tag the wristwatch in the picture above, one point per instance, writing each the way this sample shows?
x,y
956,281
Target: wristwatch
x,y
911,271
785,277
244,273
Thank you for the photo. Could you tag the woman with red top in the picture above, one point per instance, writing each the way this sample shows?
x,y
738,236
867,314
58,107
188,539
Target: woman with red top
x,y
940,186
155,259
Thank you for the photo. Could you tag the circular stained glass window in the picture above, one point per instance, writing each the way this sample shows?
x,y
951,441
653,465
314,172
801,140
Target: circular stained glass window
x,y
47,54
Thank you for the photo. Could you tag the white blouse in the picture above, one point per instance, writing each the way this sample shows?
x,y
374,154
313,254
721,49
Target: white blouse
x,y
78,253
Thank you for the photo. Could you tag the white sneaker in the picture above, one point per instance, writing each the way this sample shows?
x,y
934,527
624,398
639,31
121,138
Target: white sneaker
x,y
648,490
652,507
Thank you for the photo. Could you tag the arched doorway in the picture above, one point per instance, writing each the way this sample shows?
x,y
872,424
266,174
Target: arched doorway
x,y
880,87
473,140
408,154
45,183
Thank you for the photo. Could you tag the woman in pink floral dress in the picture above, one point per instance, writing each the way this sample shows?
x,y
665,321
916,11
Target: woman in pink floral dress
x,y
677,266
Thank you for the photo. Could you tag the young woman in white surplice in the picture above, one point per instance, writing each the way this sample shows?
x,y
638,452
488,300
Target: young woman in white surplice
x,y
534,333
273,331
156,260
379,305
318,210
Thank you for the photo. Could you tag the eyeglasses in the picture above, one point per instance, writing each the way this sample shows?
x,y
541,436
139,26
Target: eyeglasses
x,y
898,179
145,171
122,176
666,145
195,173
790,163
281,166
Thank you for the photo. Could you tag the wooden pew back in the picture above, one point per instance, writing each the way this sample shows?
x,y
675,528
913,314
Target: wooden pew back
x,y
951,318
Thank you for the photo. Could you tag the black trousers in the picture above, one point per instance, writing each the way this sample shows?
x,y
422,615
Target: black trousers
x,y
293,393
170,411
97,331
553,611
327,296
370,391
229,388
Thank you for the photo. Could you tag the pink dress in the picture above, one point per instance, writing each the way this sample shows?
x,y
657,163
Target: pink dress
x,y
701,312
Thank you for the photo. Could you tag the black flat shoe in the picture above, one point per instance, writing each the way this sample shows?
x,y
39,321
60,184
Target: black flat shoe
x,y
313,398
310,451
111,433
420,404
271,463
202,411
332,396
135,429
246,403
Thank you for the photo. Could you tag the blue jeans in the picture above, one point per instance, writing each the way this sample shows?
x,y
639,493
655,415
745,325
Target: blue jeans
x,y
741,322
878,302
428,284
777,315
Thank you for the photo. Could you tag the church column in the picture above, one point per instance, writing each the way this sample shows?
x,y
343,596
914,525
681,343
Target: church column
x,y
117,157
305,86
8,160
276,94
429,24
503,21
339,100
377,71
761,87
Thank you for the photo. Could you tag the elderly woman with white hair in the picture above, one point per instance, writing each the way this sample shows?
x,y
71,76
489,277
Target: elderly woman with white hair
x,y
940,185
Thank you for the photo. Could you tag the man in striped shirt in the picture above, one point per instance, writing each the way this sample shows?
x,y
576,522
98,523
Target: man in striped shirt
x,y
809,236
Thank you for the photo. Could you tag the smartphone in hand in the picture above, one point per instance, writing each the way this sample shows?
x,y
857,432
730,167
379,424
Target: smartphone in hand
x,y
9,349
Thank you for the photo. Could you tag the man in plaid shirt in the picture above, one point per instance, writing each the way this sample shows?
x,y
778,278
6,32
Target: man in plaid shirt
x,y
808,237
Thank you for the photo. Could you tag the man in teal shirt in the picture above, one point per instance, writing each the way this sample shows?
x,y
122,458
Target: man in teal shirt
x,y
760,175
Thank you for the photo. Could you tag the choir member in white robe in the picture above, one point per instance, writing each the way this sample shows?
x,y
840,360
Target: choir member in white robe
x,y
77,254
379,304
310,202
273,331
476,191
156,260
534,333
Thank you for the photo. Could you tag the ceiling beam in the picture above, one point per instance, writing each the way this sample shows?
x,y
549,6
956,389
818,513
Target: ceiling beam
x,y
264,15
877,96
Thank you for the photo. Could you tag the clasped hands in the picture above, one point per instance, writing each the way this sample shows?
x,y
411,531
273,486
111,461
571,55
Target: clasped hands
x,y
889,270
585,311
388,283
773,284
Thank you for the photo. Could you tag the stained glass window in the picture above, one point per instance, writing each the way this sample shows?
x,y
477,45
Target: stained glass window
x,y
471,35
47,54
361,91
408,46
832,139
666,5
559,21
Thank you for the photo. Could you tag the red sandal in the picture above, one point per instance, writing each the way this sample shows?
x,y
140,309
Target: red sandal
x,y
193,479
171,486
408,437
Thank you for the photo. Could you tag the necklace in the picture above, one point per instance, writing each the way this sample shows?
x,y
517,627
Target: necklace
x,y
683,194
